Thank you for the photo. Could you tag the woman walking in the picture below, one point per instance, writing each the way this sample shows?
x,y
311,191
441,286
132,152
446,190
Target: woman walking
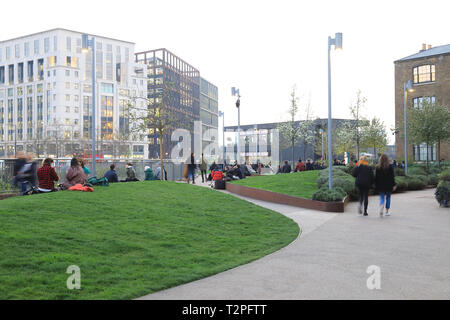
x,y
384,183
364,180
191,169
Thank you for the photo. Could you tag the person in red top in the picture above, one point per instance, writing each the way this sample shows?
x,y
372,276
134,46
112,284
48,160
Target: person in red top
x,y
47,176
300,166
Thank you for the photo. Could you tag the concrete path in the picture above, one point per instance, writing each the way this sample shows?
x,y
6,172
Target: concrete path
x,y
330,258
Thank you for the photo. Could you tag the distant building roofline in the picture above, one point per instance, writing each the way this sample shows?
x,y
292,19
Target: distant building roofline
x,y
434,51
62,29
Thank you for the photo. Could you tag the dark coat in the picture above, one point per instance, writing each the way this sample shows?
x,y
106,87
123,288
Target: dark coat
x,y
111,175
286,168
364,176
384,179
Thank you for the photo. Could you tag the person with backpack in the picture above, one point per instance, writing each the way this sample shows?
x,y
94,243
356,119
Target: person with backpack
x,y
131,173
83,166
364,180
384,183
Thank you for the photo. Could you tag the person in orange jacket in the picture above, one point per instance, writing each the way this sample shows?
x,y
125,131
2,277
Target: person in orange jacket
x,y
300,166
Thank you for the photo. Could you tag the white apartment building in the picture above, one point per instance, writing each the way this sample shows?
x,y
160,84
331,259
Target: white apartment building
x,y
46,96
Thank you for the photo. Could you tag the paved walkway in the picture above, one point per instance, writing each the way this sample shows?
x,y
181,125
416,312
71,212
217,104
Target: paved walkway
x,y
330,258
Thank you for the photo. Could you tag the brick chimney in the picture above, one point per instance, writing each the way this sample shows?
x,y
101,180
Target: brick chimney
x,y
429,46
424,47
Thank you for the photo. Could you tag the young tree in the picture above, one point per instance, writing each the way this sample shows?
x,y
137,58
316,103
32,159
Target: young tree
x,y
290,132
374,136
356,127
156,116
306,128
429,123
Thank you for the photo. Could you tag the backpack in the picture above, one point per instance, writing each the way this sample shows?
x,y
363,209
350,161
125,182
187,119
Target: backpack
x,y
220,184
98,182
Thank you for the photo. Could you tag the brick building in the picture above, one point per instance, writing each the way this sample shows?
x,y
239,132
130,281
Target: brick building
x,y
429,70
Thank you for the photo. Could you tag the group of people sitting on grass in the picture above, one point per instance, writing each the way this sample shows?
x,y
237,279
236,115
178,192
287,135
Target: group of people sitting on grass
x,y
300,166
31,180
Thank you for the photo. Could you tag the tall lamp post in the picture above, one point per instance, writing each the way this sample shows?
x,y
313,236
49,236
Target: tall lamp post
x,y
407,86
337,42
86,44
235,92
222,114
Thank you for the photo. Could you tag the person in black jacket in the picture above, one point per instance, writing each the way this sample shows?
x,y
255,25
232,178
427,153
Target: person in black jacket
x,y
286,168
384,183
364,180
191,169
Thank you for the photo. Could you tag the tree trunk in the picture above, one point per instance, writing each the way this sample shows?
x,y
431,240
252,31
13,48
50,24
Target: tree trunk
x,y
161,155
427,154
439,152
293,146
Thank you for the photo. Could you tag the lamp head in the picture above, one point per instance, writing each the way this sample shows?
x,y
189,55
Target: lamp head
x,y
409,86
338,41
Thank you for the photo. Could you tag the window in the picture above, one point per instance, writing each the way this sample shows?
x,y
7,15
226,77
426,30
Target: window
x,y
46,45
19,91
30,71
55,43
36,46
67,109
420,152
17,50
67,73
76,109
107,88
11,74
75,85
2,75
51,61
67,97
418,102
8,53
76,74
67,85
68,44
77,98
40,65
75,121
425,73
29,89
26,49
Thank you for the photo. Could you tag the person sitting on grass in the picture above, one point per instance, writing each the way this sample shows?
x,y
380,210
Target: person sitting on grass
x,y
300,166
148,173
83,165
74,176
111,174
47,176
286,168
131,173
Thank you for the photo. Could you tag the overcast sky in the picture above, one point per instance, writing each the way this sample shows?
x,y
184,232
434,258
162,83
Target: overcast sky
x,y
261,47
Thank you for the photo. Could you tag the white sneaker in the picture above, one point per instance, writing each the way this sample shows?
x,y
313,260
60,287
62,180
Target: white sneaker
x,y
381,210
387,214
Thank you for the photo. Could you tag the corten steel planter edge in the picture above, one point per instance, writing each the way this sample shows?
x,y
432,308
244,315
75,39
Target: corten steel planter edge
x,y
280,198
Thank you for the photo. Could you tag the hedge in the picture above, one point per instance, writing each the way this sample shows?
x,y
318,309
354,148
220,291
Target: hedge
x,y
324,194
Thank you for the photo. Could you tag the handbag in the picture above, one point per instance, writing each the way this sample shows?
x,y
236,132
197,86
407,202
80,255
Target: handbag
x,y
185,173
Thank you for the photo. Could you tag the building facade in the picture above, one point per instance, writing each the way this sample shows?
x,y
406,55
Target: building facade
x,y
429,70
46,96
174,82
209,116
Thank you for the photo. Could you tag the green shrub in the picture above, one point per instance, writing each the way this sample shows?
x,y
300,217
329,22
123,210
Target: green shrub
x,y
434,170
433,180
444,175
324,194
417,171
402,183
442,193
399,172
415,183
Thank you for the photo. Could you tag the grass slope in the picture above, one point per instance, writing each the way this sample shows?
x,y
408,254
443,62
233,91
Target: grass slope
x,y
129,239
299,184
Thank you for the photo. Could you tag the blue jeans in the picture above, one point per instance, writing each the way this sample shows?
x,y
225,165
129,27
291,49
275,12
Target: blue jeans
x,y
388,199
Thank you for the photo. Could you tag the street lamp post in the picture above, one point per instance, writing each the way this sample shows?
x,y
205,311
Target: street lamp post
x,y
235,92
337,42
222,114
86,43
407,86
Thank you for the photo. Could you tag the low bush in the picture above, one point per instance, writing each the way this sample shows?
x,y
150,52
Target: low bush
x,y
402,183
442,193
417,171
324,194
399,172
444,175
416,183
433,180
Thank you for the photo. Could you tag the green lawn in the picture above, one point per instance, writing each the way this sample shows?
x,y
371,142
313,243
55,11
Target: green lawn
x,y
129,239
299,184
